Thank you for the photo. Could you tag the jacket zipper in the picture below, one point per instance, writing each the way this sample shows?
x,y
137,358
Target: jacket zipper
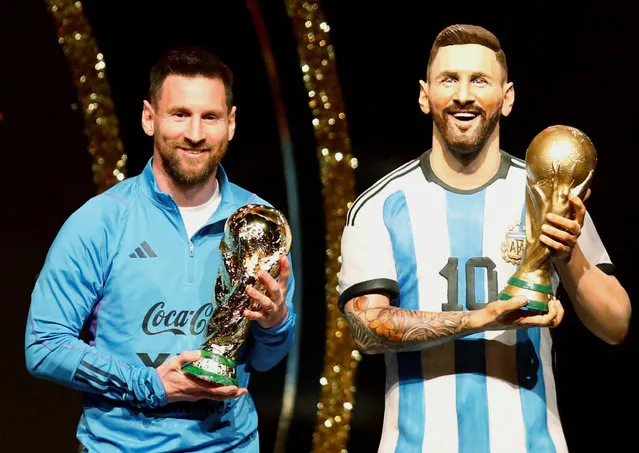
x,y
190,269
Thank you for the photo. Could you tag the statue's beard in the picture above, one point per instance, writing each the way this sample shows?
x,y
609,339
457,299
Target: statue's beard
x,y
469,142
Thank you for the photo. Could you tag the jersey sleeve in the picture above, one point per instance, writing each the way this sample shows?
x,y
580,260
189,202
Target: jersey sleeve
x,y
368,265
593,247
68,287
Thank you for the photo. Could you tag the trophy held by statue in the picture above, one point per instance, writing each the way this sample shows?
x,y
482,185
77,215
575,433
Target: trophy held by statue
x,y
560,161
255,238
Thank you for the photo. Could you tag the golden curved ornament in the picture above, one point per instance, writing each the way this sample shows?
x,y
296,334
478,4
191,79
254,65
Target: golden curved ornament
x,y
317,62
94,94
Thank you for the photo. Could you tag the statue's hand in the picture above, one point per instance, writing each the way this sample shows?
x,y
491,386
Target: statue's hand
x,y
582,189
561,233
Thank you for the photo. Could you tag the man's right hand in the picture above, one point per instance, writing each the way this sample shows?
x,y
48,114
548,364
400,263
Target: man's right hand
x,y
508,314
180,386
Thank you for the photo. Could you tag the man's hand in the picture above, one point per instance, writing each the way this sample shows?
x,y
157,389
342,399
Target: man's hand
x,y
560,234
180,386
508,314
270,311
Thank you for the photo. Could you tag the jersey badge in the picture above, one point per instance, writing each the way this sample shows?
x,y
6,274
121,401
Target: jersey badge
x,y
514,243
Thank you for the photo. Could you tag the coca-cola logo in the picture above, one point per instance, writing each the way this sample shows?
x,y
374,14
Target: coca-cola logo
x,y
159,320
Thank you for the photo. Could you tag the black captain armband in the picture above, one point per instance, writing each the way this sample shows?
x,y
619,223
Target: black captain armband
x,y
379,285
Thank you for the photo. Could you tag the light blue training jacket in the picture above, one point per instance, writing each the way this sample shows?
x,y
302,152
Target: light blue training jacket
x,y
122,290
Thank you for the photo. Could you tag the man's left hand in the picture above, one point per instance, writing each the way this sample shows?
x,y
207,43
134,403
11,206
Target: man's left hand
x,y
270,310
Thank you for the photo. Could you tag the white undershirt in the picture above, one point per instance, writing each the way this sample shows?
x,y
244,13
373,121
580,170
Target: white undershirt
x,y
196,216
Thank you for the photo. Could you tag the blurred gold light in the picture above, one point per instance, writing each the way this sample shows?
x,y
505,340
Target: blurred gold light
x,y
94,94
338,188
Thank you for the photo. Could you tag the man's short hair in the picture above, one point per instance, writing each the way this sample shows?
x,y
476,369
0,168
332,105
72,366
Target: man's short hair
x,y
190,61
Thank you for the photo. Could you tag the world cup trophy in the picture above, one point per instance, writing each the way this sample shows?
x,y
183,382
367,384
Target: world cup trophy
x,y
560,161
255,238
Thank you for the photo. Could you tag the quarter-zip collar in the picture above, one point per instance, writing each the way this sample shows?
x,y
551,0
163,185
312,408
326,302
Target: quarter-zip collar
x,y
229,203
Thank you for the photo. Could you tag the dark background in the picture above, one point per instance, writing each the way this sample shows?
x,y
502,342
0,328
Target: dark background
x,y
573,65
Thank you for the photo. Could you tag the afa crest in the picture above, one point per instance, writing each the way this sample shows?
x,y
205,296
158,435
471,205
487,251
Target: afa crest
x,y
513,245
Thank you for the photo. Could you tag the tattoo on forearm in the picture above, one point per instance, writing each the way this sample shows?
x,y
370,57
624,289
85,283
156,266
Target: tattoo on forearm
x,y
365,339
392,329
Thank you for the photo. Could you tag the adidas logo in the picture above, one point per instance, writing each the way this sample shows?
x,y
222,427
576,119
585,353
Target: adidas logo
x,y
140,251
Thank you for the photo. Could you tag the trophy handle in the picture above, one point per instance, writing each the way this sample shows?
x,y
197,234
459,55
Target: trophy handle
x,y
582,188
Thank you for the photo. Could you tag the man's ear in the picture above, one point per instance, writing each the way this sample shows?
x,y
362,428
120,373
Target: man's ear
x,y
509,99
148,119
232,123
423,97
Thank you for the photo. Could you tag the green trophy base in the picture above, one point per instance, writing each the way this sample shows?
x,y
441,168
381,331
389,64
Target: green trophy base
x,y
213,368
538,295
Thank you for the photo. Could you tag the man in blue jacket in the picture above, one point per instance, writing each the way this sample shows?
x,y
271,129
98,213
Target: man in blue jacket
x,y
125,294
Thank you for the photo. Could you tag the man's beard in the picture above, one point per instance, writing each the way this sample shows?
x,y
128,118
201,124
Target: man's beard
x,y
465,144
184,175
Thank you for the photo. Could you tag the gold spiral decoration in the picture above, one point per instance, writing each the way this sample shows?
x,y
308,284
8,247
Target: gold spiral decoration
x,y
89,78
317,62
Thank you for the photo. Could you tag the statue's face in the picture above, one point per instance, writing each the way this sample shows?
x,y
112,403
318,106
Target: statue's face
x,y
560,158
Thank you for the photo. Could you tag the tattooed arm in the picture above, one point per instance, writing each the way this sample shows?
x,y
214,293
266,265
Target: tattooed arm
x,y
377,327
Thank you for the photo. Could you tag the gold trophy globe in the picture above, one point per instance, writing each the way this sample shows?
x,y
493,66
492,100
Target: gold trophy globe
x,y
560,161
255,238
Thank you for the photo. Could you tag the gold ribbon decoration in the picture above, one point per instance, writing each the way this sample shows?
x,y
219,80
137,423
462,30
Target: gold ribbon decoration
x,y
88,70
337,165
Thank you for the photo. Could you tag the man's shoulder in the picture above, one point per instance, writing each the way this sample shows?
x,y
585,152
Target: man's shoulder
x,y
242,196
106,207
376,194
240,192
513,163
117,196
396,177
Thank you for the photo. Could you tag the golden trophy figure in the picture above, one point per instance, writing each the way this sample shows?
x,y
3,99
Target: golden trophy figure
x,y
255,237
560,161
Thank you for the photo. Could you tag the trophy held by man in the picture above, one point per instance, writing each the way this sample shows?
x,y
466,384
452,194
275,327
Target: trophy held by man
x,y
255,238
560,161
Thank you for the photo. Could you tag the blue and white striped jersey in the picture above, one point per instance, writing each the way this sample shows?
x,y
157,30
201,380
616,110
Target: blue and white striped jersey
x,y
437,248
